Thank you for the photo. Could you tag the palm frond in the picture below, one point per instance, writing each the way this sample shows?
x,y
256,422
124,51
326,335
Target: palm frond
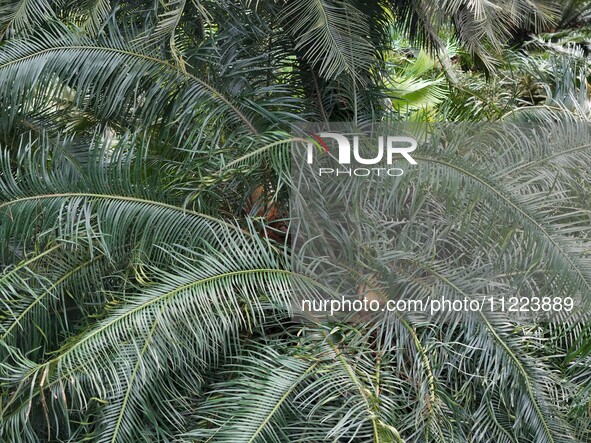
x,y
127,89
514,226
235,410
331,35
19,16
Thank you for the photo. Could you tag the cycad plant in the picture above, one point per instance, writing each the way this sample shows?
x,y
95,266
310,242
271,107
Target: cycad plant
x,y
146,273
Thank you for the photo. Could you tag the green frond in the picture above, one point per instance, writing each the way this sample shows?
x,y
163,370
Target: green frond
x,y
122,80
93,12
18,16
331,35
208,298
488,212
412,90
481,27
257,406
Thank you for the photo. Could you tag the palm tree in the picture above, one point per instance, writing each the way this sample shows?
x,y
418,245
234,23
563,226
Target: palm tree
x,y
145,281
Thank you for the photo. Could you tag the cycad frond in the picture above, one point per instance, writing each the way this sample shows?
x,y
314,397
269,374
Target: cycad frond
x,y
17,16
124,83
187,318
482,27
488,213
235,410
332,35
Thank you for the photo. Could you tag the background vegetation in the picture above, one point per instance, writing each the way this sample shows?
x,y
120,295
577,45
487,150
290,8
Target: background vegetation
x,y
145,266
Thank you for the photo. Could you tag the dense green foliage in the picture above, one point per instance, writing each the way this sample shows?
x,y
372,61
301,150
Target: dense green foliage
x,y
145,271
